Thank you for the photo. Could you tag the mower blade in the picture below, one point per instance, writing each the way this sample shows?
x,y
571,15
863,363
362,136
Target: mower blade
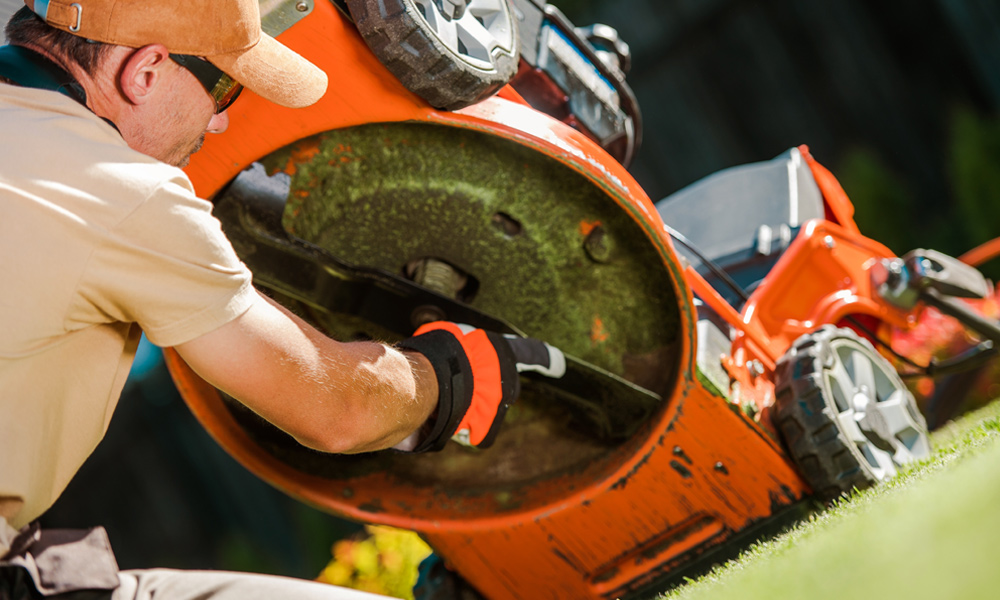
x,y
250,211
612,407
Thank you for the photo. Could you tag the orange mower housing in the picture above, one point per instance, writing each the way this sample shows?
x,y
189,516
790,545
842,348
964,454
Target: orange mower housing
x,y
551,511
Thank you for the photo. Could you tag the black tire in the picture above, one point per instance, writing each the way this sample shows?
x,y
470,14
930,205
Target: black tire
x,y
845,439
412,39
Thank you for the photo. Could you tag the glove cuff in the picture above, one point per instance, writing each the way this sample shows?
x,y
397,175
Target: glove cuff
x,y
510,384
454,378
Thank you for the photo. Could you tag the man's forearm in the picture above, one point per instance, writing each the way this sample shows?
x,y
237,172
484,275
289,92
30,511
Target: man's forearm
x,y
377,395
330,396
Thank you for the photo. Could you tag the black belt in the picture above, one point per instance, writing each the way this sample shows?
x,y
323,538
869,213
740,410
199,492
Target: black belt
x,y
72,563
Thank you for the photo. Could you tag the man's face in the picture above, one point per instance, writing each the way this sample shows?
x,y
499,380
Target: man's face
x,y
179,123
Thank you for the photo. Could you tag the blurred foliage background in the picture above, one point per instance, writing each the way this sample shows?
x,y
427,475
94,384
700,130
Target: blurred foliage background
x,y
381,560
899,98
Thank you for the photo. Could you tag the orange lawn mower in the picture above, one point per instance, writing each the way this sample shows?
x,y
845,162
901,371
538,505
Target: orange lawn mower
x,y
468,164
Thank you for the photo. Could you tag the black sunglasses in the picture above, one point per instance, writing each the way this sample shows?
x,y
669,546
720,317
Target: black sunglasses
x,y
221,87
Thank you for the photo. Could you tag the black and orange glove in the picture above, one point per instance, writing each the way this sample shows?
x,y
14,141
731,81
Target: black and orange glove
x,y
477,375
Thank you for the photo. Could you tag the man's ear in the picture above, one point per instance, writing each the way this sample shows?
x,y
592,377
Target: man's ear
x,y
143,72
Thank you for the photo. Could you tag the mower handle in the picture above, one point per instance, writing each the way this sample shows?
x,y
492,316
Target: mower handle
x,y
957,309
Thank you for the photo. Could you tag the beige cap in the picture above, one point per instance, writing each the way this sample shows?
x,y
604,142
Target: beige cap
x,y
225,32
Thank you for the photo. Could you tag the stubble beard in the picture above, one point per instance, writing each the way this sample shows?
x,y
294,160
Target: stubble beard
x,y
181,154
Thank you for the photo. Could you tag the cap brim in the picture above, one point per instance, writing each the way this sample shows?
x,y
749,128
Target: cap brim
x,y
273,71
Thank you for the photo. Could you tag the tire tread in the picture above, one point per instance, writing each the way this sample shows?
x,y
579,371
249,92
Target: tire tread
x,y
829,462
411,54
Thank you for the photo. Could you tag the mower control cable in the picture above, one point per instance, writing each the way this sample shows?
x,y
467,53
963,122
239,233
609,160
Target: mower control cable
x,y
709,263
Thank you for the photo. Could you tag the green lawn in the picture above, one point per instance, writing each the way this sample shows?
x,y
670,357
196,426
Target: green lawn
x,y
934,532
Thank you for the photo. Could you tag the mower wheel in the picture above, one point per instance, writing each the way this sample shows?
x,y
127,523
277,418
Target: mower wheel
x,y
451,53
846,418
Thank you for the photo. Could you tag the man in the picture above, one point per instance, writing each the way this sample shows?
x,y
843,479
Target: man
x,y
102,236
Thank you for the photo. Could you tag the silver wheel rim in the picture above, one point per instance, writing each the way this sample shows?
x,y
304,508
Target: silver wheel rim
x,y
478,35
874,411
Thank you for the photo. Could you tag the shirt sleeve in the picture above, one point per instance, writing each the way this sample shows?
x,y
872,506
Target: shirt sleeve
x,y
168,267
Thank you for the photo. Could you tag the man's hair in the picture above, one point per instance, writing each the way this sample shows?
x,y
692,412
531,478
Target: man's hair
x,y
26,28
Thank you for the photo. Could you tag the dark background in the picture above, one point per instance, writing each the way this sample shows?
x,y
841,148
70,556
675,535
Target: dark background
x,y
901,100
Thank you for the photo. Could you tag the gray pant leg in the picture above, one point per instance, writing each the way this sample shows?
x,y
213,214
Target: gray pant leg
x,y
168,584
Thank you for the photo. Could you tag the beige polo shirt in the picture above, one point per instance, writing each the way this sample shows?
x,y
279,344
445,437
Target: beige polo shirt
x,y
96,242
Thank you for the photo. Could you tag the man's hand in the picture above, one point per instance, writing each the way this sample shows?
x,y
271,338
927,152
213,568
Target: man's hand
x,y
477,376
